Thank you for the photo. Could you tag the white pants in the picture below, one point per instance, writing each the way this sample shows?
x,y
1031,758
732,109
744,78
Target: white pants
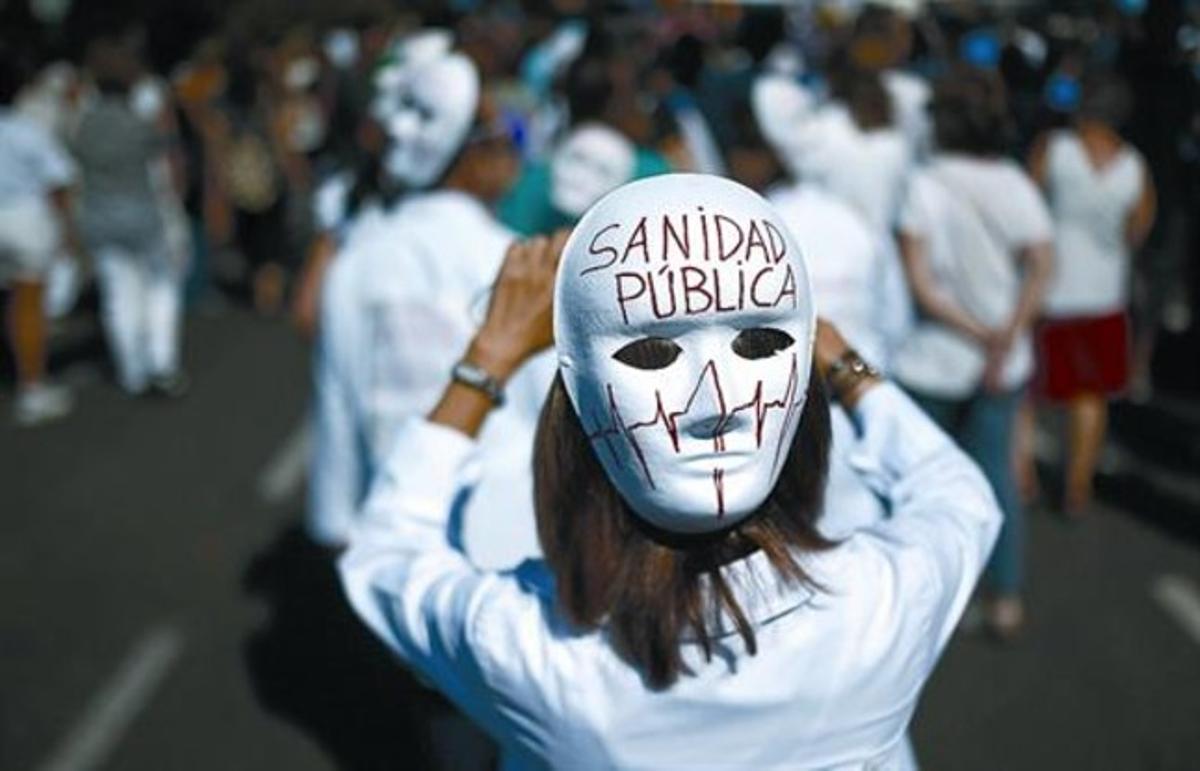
x,y
141,300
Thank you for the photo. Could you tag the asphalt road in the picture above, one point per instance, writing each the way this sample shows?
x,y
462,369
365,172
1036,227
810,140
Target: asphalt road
x,y
160,612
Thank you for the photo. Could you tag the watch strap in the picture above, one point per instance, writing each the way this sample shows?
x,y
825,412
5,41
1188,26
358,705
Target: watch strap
x,y
474,376
847,371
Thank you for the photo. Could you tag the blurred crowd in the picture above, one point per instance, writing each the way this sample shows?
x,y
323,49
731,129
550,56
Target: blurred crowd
x,y
238,156
995,199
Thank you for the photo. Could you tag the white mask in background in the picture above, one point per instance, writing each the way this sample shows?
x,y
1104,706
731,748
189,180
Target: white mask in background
x,y
592,160
684,324
427,111
401,57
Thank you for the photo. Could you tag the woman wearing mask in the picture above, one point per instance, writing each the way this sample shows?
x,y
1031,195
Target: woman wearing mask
x,y
688,612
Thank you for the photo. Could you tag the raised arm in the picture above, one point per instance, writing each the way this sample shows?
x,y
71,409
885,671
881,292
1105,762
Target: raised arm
x,y
944,518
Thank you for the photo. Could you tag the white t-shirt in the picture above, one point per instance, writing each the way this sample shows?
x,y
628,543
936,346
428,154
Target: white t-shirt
x,y
975,216
837,673
910,96
848,266
1090,208
867,169
402,299
330,202
32,161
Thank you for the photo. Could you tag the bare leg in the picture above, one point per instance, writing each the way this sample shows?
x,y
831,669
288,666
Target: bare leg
x,y
1087,419
27,330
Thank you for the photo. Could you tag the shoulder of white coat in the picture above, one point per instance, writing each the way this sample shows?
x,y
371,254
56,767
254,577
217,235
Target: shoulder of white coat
x,y
885,591
530,656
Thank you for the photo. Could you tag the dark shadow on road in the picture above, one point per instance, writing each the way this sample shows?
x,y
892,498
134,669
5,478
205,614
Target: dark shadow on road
x,y
314,665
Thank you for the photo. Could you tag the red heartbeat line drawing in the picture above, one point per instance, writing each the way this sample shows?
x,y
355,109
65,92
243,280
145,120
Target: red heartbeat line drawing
x,y
669,420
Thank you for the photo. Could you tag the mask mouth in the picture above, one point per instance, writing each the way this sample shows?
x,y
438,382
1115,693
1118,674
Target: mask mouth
x,y
728,462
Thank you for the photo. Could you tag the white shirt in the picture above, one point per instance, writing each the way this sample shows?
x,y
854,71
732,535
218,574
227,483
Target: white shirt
x,y
975,217
1090,208
837,675
866,169
857,279
330,203
859,286
399,307
910,96
32,161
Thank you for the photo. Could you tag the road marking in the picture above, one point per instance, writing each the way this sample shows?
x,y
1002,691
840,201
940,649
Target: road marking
x,y
285,473
1180,598
114,708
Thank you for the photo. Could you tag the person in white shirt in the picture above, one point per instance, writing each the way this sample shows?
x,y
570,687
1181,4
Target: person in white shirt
x,y
1103,202
401,299
855,275
140,271
36,177
342,196
688,613
977,242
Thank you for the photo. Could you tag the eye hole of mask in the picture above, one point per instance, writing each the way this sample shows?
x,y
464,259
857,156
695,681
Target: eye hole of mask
x,y
760,342
649,353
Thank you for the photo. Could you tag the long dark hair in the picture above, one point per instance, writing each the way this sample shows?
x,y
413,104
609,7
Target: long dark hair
x,y
650,588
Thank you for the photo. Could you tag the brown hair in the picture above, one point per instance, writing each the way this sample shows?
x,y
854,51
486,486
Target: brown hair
x,y
970,113
649,587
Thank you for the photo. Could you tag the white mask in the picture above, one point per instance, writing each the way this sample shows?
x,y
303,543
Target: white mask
x,y
694,426
592,160
427,110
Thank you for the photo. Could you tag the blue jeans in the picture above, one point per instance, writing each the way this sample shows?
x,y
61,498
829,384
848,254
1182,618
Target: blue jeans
x,y
983,425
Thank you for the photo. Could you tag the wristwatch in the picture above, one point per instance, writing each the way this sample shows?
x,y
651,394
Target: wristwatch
x,y
847,371
474,376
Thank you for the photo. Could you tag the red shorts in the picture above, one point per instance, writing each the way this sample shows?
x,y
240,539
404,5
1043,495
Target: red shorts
x,y
1081,355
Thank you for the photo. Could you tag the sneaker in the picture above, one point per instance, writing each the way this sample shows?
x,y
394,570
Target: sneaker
x,y
41,403
172,386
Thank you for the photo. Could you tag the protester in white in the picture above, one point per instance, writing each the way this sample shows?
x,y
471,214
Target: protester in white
x,y
977,243
687,614
122,218
403,296
822,142
52,101
820,146
857,281
340,198
36,175
1103,202
858,288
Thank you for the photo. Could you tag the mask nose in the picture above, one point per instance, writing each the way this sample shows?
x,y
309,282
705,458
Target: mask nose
x,y
708,416
714,426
